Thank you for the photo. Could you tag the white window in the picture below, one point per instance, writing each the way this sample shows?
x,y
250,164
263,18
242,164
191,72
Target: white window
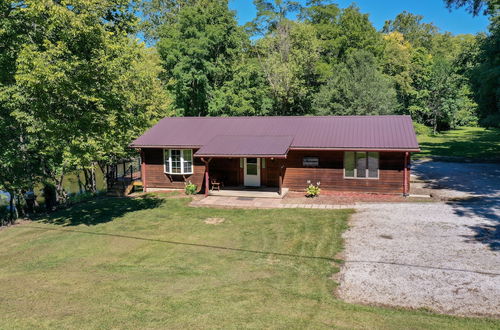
x,y
178,161
361,165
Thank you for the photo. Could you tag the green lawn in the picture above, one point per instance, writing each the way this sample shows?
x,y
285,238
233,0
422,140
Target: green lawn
x,y
466,142
153,263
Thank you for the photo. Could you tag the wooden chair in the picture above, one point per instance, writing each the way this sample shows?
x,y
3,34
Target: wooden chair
x,y
215,184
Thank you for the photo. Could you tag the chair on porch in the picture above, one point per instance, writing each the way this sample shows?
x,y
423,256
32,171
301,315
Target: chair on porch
x,y
216,183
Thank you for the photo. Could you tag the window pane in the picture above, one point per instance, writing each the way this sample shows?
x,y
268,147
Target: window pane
x,y
373,164
349,164
167,162
176,161
187,154
188,167
361,164
251,166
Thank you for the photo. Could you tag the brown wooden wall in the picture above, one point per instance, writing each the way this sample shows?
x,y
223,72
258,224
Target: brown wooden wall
x,y
295,176
156,177
331,173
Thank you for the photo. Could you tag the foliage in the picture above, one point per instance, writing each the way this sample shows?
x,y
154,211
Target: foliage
x,y
190,188
397,64
75,90
486,75
199,51
341,32
419,34
473,6
313,191
288,58
357,88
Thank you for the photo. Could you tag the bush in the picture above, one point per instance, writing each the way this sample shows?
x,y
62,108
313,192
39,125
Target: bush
x,y
421,129
190,188
312,190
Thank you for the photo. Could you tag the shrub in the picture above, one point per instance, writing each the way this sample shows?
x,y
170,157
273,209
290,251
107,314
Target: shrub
x,y
421,129
190,188
312,190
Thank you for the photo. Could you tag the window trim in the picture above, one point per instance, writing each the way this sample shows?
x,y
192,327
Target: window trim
x,y
167,156
355,177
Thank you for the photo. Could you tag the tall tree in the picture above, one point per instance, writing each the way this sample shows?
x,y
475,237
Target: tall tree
x,y
155,13
419,34
80,87
397,64
270,14
486,76
288,56
357,88
199,52
342,31
475,7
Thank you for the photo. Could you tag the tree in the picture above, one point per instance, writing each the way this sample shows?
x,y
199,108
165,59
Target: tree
x,y
357,88
288,57
341,31
419,34
397,64
475,7
155,13
247,94
270,14
80,88
199,52
486,76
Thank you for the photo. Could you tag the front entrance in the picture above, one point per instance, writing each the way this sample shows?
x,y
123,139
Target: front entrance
x,y
252,172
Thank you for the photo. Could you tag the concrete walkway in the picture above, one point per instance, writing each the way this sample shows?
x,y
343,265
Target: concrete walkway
x,y
264,203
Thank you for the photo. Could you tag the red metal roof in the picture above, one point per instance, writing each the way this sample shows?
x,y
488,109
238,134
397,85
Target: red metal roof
x,y
328,132
242,146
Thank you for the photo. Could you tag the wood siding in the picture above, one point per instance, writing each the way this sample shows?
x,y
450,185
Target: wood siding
x,y
157,178
330,172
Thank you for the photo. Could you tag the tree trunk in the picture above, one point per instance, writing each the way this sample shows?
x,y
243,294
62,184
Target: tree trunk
x,y
60,196
11,205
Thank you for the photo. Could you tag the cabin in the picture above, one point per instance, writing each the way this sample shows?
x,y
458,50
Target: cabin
x,y
340,153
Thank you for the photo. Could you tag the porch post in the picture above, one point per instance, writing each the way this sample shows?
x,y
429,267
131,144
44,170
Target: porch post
x,y
207,184
280,180
143,171
405,180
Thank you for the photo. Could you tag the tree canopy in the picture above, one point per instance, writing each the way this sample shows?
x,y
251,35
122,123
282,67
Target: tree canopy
x,y
80,79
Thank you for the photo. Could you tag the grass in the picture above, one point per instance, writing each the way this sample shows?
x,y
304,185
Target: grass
x,y
152,262
474,143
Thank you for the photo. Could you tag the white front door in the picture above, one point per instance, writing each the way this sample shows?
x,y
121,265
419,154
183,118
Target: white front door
x,y
252,172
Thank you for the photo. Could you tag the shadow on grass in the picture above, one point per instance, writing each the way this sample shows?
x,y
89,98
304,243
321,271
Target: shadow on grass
x,y
100,210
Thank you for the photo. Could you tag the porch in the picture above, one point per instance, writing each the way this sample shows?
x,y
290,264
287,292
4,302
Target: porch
x,y
249,192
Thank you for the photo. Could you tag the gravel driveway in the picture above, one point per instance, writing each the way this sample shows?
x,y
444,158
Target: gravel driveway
x,y
441,256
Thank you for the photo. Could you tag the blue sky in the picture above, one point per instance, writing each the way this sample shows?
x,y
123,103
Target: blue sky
x,y
434,11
